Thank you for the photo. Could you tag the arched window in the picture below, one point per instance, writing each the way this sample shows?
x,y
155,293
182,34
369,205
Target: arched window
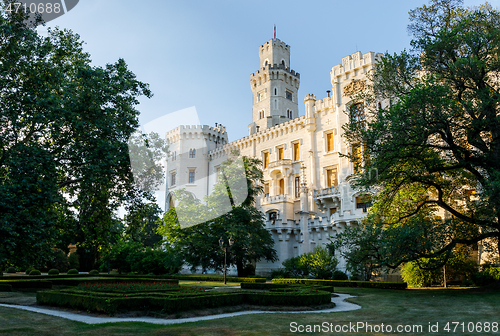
x,y
281,187
192,153
358,114
283,62
275,91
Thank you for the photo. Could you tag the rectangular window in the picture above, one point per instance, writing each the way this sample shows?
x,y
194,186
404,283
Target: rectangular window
x,y
297,186
363,202
172,179
296,151
329,142
356,158
191,176
331,178
266,189
266,159
289,95
281,153
281,190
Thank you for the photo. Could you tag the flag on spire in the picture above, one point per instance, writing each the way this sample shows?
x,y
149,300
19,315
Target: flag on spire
x,y
275,32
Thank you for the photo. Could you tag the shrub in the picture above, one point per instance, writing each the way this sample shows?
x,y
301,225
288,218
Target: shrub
x,y
344,283
279,273
73,261
486,276
53,271
94,272
11,270
28,270
5,287
320,263
35,272
416,274
339,275
73,271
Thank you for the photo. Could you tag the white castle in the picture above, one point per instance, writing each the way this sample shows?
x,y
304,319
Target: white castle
x,y
307,195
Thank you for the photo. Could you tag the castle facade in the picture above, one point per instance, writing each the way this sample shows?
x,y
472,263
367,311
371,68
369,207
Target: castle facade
x,y
308,197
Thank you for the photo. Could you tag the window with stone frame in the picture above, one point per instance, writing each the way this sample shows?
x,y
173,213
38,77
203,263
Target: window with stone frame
x,y
173,178
191,178
296,151
332,177
363,202
289,95
281,186
192,153
265,159
281,153
358,114
266,189
329,142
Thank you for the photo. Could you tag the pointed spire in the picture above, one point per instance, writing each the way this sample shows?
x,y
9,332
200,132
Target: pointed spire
x,y
275,32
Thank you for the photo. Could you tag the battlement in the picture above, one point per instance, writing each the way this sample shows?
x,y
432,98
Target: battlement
x,y
323,103
309,96
274,67
276,42
209,132
355,61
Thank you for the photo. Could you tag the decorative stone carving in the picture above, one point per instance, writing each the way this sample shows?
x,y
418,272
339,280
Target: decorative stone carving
x,y
355,86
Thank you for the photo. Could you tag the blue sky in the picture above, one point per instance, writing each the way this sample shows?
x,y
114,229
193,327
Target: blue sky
x,y
201,53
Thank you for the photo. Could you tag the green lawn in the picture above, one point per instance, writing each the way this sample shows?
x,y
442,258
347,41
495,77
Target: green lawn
x,y
390,307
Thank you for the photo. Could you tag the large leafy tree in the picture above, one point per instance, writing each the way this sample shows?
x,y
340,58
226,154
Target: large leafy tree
x,y
436,148
199,244
64,127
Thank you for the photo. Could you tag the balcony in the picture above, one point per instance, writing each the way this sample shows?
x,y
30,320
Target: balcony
x,y
276,199
327,197
280,163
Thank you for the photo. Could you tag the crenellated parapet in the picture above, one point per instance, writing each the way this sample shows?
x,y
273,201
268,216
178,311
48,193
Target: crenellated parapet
x,y
209,133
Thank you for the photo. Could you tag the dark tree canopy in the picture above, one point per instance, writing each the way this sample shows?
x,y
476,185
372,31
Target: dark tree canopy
x,y
436,149
64,127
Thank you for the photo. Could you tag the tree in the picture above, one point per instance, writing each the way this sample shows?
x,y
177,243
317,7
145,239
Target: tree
x,y
436,148
199,244
64,128
141,224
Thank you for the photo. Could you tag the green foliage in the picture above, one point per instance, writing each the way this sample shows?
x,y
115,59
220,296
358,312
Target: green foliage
x,y
416,275
217,278
141,224
59,260
94,272
73,260
339,275
64,162
53,271
320,263
347,283
487,276
11,270
73,272
199,244
5,288
35,272
436,147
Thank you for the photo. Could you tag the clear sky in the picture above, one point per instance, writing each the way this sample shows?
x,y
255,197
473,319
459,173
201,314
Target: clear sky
x,y
201,53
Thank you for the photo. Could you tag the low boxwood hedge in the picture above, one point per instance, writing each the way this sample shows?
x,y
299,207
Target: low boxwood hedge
x,y
344,283
24,284
216,278
5,288
283,287
111,303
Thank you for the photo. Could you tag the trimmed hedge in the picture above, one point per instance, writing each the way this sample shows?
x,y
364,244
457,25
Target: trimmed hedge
x,y
11,270
53,272
5,288
24,284
285,287
94,272
35,272
170,303
342,283
72,272
216,278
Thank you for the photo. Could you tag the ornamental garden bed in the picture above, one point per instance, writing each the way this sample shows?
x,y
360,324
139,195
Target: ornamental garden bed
x,y
343,283
169,298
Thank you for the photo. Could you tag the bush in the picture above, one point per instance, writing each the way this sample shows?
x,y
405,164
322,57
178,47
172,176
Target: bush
x,y
74,261
11,270
279,273
58,260
28,270
35,272
320,263
73,271
94,272
5,287
339,275
487,276
417,274
342,283
53,271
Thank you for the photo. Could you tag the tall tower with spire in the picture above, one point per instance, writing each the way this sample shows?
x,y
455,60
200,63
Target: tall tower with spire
x,y
274,86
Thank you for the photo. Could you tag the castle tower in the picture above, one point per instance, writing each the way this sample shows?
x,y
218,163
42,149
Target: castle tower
x,y
274,87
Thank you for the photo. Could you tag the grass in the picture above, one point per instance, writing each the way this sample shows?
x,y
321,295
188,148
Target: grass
x,y
391,307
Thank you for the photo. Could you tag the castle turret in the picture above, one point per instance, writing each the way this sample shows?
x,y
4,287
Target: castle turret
x,y
274,86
